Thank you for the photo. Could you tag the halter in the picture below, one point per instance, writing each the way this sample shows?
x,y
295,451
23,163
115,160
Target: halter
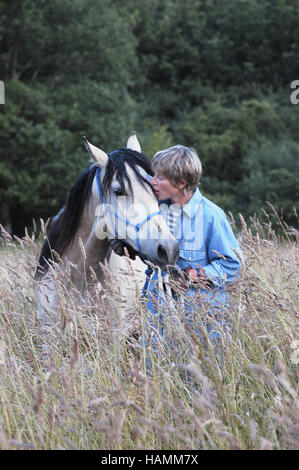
x,y
127,222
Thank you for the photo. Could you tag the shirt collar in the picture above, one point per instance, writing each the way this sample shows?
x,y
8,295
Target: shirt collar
x,y
192,205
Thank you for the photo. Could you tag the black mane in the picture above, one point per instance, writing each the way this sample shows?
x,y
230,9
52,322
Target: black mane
x,y
66,223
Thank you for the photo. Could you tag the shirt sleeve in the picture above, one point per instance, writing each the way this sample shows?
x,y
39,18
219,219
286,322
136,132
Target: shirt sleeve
x,y
222,248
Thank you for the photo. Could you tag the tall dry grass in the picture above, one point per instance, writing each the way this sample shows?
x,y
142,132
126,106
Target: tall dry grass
x,y
89,389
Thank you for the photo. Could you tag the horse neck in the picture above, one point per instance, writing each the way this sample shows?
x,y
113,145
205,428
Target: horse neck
x,y
87,250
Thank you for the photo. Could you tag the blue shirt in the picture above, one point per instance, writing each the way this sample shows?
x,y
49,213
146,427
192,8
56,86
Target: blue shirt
x,y
205,239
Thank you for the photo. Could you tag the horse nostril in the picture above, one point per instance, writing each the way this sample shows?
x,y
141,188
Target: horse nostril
x,y
168,252
162,254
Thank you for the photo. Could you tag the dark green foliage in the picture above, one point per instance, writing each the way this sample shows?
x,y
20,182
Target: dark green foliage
x,y
67,69
210,74
271,173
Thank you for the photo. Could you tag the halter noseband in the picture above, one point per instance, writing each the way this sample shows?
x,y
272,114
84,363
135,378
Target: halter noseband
x,y
127,222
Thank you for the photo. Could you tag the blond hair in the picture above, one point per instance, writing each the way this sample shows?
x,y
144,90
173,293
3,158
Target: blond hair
x,y
178,163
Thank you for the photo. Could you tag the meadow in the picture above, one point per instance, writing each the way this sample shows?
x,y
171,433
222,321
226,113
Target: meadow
x,y
90,388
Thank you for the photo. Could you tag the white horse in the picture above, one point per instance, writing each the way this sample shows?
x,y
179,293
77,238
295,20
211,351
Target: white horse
x,y
111,199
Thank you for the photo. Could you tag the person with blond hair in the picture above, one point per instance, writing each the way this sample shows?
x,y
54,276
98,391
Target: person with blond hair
x,y
209,254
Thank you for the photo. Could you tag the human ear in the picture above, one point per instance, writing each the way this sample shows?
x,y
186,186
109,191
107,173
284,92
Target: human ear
x,y
182,184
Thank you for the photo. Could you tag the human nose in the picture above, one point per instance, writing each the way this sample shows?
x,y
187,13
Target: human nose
x,y
154,180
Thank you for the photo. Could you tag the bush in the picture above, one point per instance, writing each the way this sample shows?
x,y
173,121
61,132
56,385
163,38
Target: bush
x,y
271,172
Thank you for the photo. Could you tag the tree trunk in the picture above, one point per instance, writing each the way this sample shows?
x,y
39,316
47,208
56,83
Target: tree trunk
x,y
17,43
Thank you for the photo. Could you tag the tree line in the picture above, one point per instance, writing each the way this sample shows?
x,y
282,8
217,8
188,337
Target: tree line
x,y
209,74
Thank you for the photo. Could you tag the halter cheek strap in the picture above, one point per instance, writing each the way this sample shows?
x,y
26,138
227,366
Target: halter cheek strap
x,y
127,222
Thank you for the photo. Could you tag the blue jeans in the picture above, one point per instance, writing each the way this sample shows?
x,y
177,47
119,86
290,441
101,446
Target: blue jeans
x,y
158,313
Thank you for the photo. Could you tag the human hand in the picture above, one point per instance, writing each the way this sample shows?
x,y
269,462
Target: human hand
x,y
192,274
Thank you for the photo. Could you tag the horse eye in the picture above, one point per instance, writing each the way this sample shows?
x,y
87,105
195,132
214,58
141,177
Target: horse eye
x,y
118,192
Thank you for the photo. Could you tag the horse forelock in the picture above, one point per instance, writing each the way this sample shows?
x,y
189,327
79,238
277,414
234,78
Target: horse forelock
x,y
117,165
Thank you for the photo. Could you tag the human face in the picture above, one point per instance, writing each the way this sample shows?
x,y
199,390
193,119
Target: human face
x,y
165,189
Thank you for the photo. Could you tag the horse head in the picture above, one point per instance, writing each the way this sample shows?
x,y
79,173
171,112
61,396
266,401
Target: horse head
x,y
128,209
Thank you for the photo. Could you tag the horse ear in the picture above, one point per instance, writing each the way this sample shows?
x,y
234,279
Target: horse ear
x,y
133,143
97,155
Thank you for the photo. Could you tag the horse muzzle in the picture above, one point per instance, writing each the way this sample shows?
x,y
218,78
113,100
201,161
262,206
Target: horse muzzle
x,y
167,252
